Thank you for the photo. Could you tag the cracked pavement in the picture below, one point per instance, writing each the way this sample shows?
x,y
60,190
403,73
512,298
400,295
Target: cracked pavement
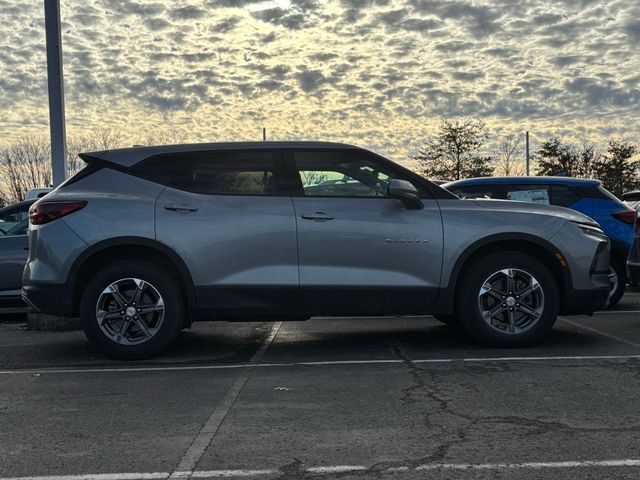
x,y
375,404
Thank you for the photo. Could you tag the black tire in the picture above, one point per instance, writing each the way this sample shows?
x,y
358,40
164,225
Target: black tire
x,y
174,309
621,286
473,279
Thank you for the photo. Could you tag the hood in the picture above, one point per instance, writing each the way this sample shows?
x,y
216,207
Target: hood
x,y
539,208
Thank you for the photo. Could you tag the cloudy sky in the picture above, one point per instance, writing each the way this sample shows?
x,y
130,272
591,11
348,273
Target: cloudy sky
x,y
378,73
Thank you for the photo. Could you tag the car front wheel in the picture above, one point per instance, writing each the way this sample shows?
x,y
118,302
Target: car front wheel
x,y
131,310
508,300
618,282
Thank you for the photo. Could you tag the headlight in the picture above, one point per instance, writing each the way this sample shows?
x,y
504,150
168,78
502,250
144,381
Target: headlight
x,y
591,229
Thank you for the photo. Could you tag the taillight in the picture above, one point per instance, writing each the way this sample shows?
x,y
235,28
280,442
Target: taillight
x,y
45,212
627,216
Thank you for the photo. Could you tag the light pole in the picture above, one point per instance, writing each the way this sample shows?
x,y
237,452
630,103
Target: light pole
x,y
56,90
527,158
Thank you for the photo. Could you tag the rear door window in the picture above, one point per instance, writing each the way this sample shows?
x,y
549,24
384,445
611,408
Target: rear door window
x,y
233,173
529,193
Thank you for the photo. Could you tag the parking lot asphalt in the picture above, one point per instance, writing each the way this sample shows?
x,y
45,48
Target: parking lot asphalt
x,y
403,397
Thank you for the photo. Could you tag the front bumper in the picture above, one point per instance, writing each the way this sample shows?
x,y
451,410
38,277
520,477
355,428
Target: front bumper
x,y
585,302
49,298
589,287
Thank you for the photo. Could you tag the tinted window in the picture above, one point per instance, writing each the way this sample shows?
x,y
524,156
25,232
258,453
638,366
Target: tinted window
x,y
163,168
563,196
476,191
342,174
232,173
529,193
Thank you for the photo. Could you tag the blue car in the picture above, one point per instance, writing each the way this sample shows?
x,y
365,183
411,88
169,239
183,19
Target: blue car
x,y
584,195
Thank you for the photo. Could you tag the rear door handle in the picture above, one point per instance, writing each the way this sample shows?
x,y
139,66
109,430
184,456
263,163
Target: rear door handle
x,y
318,216
182,208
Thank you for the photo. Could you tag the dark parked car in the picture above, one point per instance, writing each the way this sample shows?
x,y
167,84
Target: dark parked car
x,y
14,250
633,262
587,196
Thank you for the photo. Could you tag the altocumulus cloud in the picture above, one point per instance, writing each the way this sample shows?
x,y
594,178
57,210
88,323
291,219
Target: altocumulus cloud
x,y
375,72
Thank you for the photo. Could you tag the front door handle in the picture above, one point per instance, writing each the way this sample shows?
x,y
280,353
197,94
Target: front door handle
x,y
318,216
182,208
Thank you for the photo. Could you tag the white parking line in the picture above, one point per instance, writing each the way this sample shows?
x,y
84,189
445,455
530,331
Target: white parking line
x,y
628,463
580,326
97,476
613,312
200,444
326,363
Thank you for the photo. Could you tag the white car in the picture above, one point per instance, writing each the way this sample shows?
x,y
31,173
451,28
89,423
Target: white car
x,y
36,193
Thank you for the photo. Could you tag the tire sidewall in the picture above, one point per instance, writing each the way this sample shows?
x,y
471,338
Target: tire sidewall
x,y
173,306
469,311
622,282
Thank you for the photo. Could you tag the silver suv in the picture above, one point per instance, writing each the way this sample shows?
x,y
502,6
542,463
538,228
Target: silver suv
x,y
144,241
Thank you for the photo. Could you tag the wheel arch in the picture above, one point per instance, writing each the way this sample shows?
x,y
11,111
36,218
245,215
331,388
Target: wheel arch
x,y
537,247
619,251
122,248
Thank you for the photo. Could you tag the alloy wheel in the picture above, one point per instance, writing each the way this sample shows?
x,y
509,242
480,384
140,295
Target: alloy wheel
x,y
130,311
511,301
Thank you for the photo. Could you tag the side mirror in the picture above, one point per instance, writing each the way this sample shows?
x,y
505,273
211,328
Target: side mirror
x,y
406,192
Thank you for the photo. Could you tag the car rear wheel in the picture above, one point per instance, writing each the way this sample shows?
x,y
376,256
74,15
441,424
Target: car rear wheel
x,y
618,282
508,300
131,310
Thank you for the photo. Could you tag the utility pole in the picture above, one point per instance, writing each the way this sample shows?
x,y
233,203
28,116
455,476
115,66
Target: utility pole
x,y
56,90
527,151
264,134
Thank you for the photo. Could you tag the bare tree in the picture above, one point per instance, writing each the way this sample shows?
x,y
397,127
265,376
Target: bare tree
x,y
25,165
105,138
75,146
509,156
313,177
160,138
97,140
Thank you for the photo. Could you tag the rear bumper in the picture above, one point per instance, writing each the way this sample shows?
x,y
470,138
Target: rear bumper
x,y
585,302
49,298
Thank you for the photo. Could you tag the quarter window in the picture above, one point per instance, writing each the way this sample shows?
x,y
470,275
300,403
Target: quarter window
x,y
162,169
563,196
